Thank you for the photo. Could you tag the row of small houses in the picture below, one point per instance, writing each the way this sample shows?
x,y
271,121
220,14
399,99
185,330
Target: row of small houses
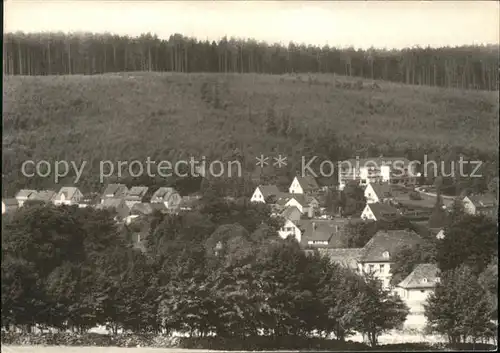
x,y
127,203
384,201
300,207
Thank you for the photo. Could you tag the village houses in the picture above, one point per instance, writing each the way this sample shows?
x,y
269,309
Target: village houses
x,y
264,192
168,197
68,195
415,289
315,233
136,194
290,228
376,192
380,212
146,209
303,185
306,204
291,213
480,204
417,286
345,257
114,191
45,196
376,256
379,251
318,233
24,195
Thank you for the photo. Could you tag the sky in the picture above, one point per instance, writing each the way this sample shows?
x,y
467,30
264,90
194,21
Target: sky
x,y
361,24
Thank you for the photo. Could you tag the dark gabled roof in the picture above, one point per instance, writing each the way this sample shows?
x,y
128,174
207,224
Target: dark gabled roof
x,y
307,183
288,212
112,189
283,198
269,190
383,211
45,195
382,190
136,192
388,241
67,191
344,257
303,200
423,276
321,230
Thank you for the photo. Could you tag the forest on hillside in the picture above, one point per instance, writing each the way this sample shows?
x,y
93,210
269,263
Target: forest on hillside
x,y
466,67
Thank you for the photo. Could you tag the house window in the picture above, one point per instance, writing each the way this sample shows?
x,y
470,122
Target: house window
x,y
382,268
422,291
438,280
385,254
372,268
424,280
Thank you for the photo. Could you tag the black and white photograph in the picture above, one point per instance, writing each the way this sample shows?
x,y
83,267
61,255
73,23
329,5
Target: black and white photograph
x,y
274,176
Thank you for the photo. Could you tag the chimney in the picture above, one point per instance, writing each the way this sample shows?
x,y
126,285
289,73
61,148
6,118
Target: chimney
x,y
314,225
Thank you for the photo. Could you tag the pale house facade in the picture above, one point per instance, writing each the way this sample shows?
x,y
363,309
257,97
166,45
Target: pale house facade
x,y
379,211
417,286
290,229
378,193
479,204
378,253
68,196
303,185
263,192
24,195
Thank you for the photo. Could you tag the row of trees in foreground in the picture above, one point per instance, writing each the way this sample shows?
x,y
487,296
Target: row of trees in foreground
x,y
471,67
219,270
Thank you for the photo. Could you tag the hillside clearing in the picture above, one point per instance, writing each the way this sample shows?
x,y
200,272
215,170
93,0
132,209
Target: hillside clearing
x,y
134,115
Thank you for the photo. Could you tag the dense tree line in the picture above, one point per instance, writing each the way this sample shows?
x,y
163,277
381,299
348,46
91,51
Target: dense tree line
x,y
222,270
471,67
464,305
219,270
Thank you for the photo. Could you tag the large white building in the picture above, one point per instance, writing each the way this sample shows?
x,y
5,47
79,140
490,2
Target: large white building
x,y
364,171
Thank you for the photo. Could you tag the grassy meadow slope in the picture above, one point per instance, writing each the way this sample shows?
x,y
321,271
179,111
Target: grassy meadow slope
x,y
169,116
